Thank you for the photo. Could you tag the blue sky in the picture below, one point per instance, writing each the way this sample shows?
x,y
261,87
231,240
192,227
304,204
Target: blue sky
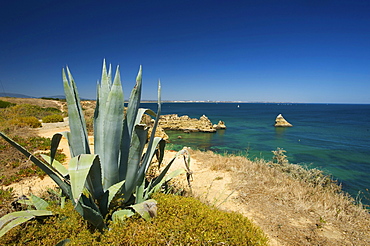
x,y
277,51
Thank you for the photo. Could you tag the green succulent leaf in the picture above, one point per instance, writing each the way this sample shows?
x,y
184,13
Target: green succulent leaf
x,y
109,195
90,212
79,168
122,214
161,176
39,203
9,221
63,242
78,139
137,146
134,102
146,209
56,164
152,189
55,140
101,107
112,133
128,133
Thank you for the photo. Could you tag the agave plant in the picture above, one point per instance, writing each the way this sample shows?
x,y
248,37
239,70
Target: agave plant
x,y
111,183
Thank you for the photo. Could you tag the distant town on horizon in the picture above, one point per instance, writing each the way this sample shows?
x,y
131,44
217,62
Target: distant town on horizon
x,y
61,97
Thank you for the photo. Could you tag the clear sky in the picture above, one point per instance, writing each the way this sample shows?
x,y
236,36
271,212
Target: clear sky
x,y
315,51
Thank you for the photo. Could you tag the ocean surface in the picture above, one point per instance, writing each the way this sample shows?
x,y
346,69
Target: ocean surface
x,y
332,137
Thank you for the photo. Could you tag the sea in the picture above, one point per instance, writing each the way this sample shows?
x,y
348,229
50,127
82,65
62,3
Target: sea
x,y
334,138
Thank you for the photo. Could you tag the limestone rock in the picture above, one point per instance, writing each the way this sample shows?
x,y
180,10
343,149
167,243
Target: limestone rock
x,y
219,125
281,122
185,123
182,123
147,120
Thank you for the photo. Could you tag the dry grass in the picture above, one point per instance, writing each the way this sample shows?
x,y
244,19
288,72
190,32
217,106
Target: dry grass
x,y
34,101
293,205
17,122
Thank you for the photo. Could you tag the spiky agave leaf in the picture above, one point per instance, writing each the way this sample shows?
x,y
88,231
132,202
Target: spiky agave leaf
x,y
85,172
78,138
56,164
103,89
127,169
112,133
159,180
151,149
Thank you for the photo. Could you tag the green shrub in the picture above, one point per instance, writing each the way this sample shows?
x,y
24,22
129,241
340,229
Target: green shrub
x,y
186,221
180,221
4,104
51,110
24,121
52,118
24,110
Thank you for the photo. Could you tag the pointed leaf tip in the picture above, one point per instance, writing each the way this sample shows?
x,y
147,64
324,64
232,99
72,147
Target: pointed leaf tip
x,y
139,74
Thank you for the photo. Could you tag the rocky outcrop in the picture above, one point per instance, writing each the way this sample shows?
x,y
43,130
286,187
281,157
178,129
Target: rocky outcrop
x,y
181,123
281,122
147,120
187,124
219,125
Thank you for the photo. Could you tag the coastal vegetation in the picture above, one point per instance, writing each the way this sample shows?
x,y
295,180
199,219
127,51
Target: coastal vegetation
x,y
52,118
180,221
17,116
292,204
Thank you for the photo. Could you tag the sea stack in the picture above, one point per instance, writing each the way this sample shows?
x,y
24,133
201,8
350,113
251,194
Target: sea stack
x,y
220,125
281,122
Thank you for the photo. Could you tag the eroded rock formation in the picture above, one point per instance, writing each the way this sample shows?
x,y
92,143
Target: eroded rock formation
x,y
187,124
219,125
181,123
281,122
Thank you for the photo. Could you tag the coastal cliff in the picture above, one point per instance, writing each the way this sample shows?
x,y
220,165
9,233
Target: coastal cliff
x,y
187,124
182,123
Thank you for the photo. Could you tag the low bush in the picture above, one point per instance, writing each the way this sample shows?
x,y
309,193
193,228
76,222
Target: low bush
x,y
14,118
26,110
26,121
4,104
52,118
180,221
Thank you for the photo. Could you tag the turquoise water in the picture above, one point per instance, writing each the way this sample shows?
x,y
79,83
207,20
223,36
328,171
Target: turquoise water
x,y
332,137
